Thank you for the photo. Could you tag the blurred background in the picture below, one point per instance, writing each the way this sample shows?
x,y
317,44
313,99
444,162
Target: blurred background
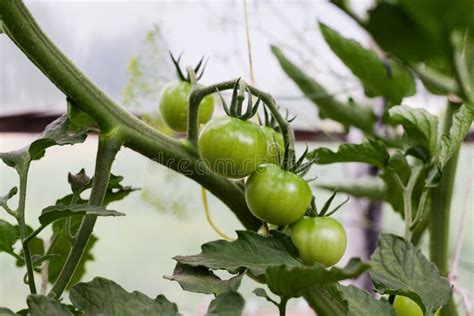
x,y
123,46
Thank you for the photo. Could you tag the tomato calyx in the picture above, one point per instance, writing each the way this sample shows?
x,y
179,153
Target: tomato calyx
x,y
198,70
313,210
238,97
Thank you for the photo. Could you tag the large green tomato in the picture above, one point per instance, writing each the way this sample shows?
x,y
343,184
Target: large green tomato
x,y
277,196
275,145
319,239
174,105
232,147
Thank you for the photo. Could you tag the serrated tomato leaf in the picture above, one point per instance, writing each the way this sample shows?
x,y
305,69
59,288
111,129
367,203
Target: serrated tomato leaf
x,y
347,114
361,302
293,281
200,280
56,133
229,303
102,296
59,211
371,151
421,127
8,236
39,305
386,78
327,300
400,268
250,251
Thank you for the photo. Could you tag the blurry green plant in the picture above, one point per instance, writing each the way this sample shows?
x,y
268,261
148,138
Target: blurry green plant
x,y
429,39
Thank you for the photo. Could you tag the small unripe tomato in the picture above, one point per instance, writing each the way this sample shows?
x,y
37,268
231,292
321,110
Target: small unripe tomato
x,y
174,105
319,239
232,147
405,306
275,145
277,196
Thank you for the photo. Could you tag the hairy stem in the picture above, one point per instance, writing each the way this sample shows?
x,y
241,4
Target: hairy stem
x,y
441,197
22,229
21,27
109,145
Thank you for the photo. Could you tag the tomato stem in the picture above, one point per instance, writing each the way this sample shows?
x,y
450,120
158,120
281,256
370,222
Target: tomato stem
x,y
109,145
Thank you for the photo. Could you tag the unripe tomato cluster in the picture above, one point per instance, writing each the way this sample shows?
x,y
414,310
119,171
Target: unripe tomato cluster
x,y
236,148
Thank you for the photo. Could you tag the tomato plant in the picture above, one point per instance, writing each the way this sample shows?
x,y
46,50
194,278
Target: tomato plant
x,y
319,239
415,163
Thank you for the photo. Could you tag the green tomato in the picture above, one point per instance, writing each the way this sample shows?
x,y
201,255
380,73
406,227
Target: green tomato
x,y
174,105
277,196
405,306
319,239
275,145
232,147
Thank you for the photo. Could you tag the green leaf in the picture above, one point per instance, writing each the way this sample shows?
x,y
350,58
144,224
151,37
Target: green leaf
x,y
421,128
60,211
102,296
200,280
400,268
8,236
260,292
450,143
56,133
380,78
40,305
370,151
327,300
293,281
4,199
78,119
348,114
250,251
79,181
6,311
61,246
361,302
227,304
398,33
371,187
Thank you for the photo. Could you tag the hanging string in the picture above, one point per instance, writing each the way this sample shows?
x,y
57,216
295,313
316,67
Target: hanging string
x,y
208,215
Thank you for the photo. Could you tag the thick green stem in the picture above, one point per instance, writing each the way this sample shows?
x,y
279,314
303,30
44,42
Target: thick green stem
x,y
441,198
282,306
22,229
109,145
20,26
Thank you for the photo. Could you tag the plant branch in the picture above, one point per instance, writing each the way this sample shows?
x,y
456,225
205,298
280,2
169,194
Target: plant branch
x,y
109,145
22,228
21,27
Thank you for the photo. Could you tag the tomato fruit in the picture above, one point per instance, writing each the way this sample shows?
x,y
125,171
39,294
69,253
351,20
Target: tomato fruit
x,y
275,145
277,196
174,105
319,239
405,306
232,147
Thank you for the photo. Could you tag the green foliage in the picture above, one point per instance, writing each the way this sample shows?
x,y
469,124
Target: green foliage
x,y
421,129
400,268
60,211
39,305
380,77
370,151
226,304
102,296
294,281
250,251
199,279
8,236
361,302
347,114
